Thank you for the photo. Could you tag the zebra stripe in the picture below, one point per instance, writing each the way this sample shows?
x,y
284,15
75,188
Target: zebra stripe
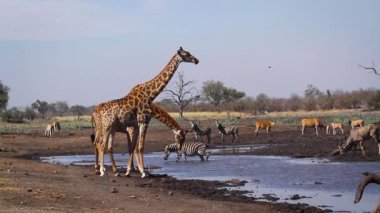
x,y
188,149
229,130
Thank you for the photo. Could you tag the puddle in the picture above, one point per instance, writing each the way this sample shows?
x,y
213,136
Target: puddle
x,y
329,185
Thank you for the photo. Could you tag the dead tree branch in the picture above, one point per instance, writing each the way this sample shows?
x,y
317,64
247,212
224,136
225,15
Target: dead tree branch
x,y
373,68
369,178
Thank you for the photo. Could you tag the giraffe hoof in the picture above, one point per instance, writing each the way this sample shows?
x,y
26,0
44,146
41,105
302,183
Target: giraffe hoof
x,y
117,174
128,174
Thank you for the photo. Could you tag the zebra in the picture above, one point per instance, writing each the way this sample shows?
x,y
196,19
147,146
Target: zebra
x,y
229,130
188,149
199,133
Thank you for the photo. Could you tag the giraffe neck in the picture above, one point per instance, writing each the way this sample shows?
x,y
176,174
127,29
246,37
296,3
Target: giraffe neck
x,y
158,83
164,117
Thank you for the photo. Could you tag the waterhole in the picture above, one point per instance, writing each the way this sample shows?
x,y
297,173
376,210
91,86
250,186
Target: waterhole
x,y
315,181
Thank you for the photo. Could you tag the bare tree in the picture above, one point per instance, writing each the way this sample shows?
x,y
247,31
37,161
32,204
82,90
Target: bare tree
x,y
182,93
373,68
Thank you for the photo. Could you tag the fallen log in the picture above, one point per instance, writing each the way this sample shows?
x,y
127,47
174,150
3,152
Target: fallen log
x,y
369,178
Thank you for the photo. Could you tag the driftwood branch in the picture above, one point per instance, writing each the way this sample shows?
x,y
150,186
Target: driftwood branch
x,y
373,69
369,178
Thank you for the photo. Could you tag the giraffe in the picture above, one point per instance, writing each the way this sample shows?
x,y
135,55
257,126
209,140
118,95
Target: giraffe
x,y
157,113
117,115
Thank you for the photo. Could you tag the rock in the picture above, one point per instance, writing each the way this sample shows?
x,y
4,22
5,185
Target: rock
x,y
114,190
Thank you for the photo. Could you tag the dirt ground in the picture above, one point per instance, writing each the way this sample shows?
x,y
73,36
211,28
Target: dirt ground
x,y
28,185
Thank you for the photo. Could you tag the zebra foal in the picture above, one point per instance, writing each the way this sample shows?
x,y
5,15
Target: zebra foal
x,y
199,133
228,130
188,149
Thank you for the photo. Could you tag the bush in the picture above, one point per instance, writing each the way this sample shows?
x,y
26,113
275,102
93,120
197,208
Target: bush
x,y
13,116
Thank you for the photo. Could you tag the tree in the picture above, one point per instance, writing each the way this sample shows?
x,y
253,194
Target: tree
x,y
13,115
261,103
41,106
373,68
213,91
374,101
78,110
217,93
3,96
311,95
182,94
29,113
61,107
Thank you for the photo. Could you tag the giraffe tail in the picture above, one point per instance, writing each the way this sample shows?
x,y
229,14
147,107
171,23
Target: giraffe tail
x,y
92,136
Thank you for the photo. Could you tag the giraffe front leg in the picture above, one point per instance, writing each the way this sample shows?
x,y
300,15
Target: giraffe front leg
x,y
96,163
132,134
101,159
139,151
110,152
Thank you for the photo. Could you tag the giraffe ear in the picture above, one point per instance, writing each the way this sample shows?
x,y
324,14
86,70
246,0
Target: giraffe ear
x,y
179,51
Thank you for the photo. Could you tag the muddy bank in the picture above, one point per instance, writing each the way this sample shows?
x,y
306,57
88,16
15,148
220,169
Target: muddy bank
x,y
29,185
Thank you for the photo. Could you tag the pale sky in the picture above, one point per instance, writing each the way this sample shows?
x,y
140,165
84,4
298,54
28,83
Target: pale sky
x,y
90,51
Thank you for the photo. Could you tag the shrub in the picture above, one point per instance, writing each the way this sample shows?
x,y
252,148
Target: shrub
x,y
13,115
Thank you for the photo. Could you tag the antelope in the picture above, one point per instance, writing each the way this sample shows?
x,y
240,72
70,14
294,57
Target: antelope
x,y
356,123
359,135
334,126
49,130
311,122
264,125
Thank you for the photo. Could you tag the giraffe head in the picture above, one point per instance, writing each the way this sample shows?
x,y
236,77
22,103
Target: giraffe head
x,y
186,56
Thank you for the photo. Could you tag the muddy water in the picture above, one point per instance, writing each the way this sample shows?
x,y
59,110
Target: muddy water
x,y
329,185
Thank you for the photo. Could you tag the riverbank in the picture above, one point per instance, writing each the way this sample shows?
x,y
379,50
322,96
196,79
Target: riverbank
x,y
29,185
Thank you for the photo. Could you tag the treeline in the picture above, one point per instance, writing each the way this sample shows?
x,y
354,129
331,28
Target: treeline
x,y
43,110
313,99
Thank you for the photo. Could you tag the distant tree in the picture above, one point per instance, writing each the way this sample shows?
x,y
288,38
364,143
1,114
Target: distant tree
x,y
295,102
183,93
78,110
13,115
41,106
29,113
311,95
262,103
373,68
213,91
231,94
374,101
61,107
3,96
217,93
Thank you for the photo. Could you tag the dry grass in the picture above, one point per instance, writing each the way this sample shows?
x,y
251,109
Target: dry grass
x,y
70,123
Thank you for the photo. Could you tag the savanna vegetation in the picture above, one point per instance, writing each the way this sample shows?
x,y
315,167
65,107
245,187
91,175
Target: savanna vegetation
x,y
215,101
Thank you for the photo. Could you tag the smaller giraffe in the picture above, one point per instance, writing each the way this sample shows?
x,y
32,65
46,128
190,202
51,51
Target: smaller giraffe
x,y
199,133
132,132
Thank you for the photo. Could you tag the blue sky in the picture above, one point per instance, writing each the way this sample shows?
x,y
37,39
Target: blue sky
x,y
89,51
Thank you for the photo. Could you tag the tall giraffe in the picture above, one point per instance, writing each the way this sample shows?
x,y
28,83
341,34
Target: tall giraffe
x,y
117,115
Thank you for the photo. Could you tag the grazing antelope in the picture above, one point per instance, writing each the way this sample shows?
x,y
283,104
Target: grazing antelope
x,y
49,130
311,122
356,123
264,125
334,126
188,149
199,133
228,130
359,135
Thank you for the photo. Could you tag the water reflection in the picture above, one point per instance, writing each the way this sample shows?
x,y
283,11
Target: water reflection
x,y
325,183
